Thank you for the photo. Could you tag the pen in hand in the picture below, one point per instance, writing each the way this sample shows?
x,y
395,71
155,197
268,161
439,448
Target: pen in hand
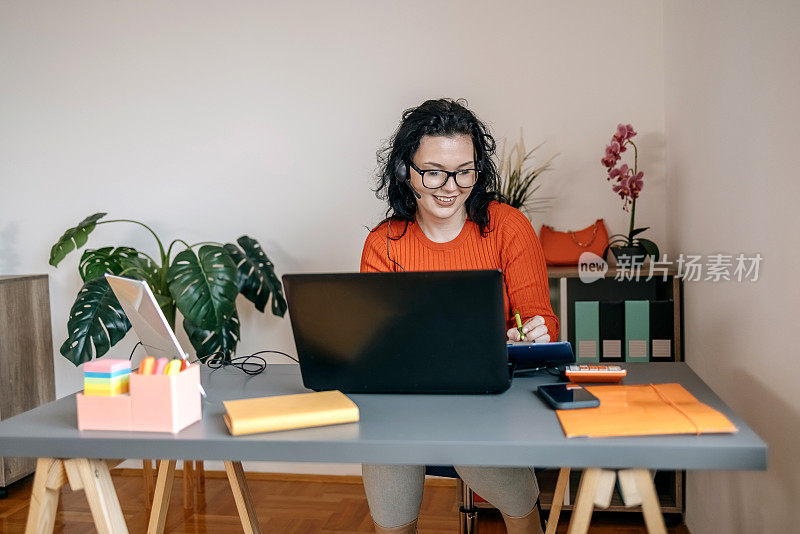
x,y
519,325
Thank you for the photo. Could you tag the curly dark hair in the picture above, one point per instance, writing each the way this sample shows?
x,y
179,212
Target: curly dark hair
x,y
442,117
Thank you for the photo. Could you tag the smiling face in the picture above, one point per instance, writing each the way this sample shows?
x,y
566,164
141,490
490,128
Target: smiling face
x,y
447,203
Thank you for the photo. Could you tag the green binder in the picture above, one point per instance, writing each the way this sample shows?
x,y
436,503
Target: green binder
x,y
637,330
587,331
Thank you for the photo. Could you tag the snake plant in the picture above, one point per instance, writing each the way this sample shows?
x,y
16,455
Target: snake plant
x,y
518,179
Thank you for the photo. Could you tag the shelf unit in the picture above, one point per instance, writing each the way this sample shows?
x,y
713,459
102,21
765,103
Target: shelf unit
x,y
565,288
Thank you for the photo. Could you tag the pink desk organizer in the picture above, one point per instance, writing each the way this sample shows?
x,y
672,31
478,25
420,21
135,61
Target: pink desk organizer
x,y
156,403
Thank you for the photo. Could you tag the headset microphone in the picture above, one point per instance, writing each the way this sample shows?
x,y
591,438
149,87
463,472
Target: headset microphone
x,y
401,172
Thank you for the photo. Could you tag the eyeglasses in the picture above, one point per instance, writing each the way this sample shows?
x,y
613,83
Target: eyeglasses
x,y
435,178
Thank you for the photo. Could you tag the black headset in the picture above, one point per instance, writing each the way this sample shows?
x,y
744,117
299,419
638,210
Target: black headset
x,y
401,175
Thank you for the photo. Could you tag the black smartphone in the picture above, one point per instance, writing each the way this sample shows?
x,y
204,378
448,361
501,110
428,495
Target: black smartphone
x,y
568,396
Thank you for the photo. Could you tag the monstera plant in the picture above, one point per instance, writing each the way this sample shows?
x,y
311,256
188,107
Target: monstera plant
x,y
201,281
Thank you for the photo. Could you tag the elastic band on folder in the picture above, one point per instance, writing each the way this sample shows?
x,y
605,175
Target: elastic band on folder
x,y
671,403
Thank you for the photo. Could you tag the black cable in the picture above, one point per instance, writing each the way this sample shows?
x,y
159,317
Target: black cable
x,y
217,360
134,349
388,227
276,352
551,369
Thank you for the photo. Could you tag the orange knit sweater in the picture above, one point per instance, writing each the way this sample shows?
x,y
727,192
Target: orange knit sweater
x,y
511,246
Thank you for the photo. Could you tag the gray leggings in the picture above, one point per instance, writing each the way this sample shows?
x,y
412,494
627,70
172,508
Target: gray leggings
x,y
394,492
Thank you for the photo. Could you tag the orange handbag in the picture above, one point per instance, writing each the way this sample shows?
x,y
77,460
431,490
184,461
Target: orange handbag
x,y
564,248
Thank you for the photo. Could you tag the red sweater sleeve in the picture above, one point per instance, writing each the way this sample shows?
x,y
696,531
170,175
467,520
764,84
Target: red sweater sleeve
x,y
525,270
374,257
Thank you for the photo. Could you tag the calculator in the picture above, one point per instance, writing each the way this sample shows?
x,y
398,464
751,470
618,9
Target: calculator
x,y
595,373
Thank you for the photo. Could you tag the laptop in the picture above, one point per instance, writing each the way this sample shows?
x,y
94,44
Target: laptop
x,y
407,332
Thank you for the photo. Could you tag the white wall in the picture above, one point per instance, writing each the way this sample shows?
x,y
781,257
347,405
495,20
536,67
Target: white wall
x,y
732,126
208,120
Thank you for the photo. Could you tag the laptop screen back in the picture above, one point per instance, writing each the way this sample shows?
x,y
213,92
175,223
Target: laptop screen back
x,y
410,332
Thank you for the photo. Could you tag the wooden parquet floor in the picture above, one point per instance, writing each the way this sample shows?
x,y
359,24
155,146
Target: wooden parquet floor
x,y
291,504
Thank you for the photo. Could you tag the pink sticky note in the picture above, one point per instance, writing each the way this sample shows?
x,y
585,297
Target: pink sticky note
x,y
106,366
104,413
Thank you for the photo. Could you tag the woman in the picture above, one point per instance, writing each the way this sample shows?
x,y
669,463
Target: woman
x,y
444,214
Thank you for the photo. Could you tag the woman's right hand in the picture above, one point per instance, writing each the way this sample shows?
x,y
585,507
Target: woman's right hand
x,y
534,330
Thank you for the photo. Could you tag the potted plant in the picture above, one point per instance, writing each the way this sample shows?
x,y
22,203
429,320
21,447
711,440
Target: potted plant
x,y
201,281
518,178
628,183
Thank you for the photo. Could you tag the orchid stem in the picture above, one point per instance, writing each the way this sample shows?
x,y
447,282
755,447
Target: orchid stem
x,y
633,202
635,157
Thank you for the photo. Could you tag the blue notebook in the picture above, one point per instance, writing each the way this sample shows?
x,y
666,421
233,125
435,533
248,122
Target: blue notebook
x,y
525,355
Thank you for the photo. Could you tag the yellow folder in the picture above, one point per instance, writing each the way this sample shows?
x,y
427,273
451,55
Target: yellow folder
x,y
284,412
644,410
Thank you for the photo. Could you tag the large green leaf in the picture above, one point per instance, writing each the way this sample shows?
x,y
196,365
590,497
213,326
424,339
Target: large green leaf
x,y
74,238
141,267
222,341
650,248
624,236
204,285
96,262
124,261
255,275
96,323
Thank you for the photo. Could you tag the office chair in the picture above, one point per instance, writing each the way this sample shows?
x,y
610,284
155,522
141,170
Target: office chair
x,y
468,513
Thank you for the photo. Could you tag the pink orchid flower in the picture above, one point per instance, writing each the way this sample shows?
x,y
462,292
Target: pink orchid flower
x,y
624,132
620,173
622,188
625,181
635,184
613,149
612,154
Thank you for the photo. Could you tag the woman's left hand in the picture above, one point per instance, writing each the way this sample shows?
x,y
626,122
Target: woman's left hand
x,y
534,330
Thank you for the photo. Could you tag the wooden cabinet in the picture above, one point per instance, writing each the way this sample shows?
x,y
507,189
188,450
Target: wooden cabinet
x,y
26,357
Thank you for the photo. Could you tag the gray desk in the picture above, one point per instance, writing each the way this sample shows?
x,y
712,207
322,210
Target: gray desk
x,y
515,429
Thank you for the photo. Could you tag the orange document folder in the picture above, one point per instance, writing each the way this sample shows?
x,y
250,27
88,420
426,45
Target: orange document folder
x,y
643,411
285,412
